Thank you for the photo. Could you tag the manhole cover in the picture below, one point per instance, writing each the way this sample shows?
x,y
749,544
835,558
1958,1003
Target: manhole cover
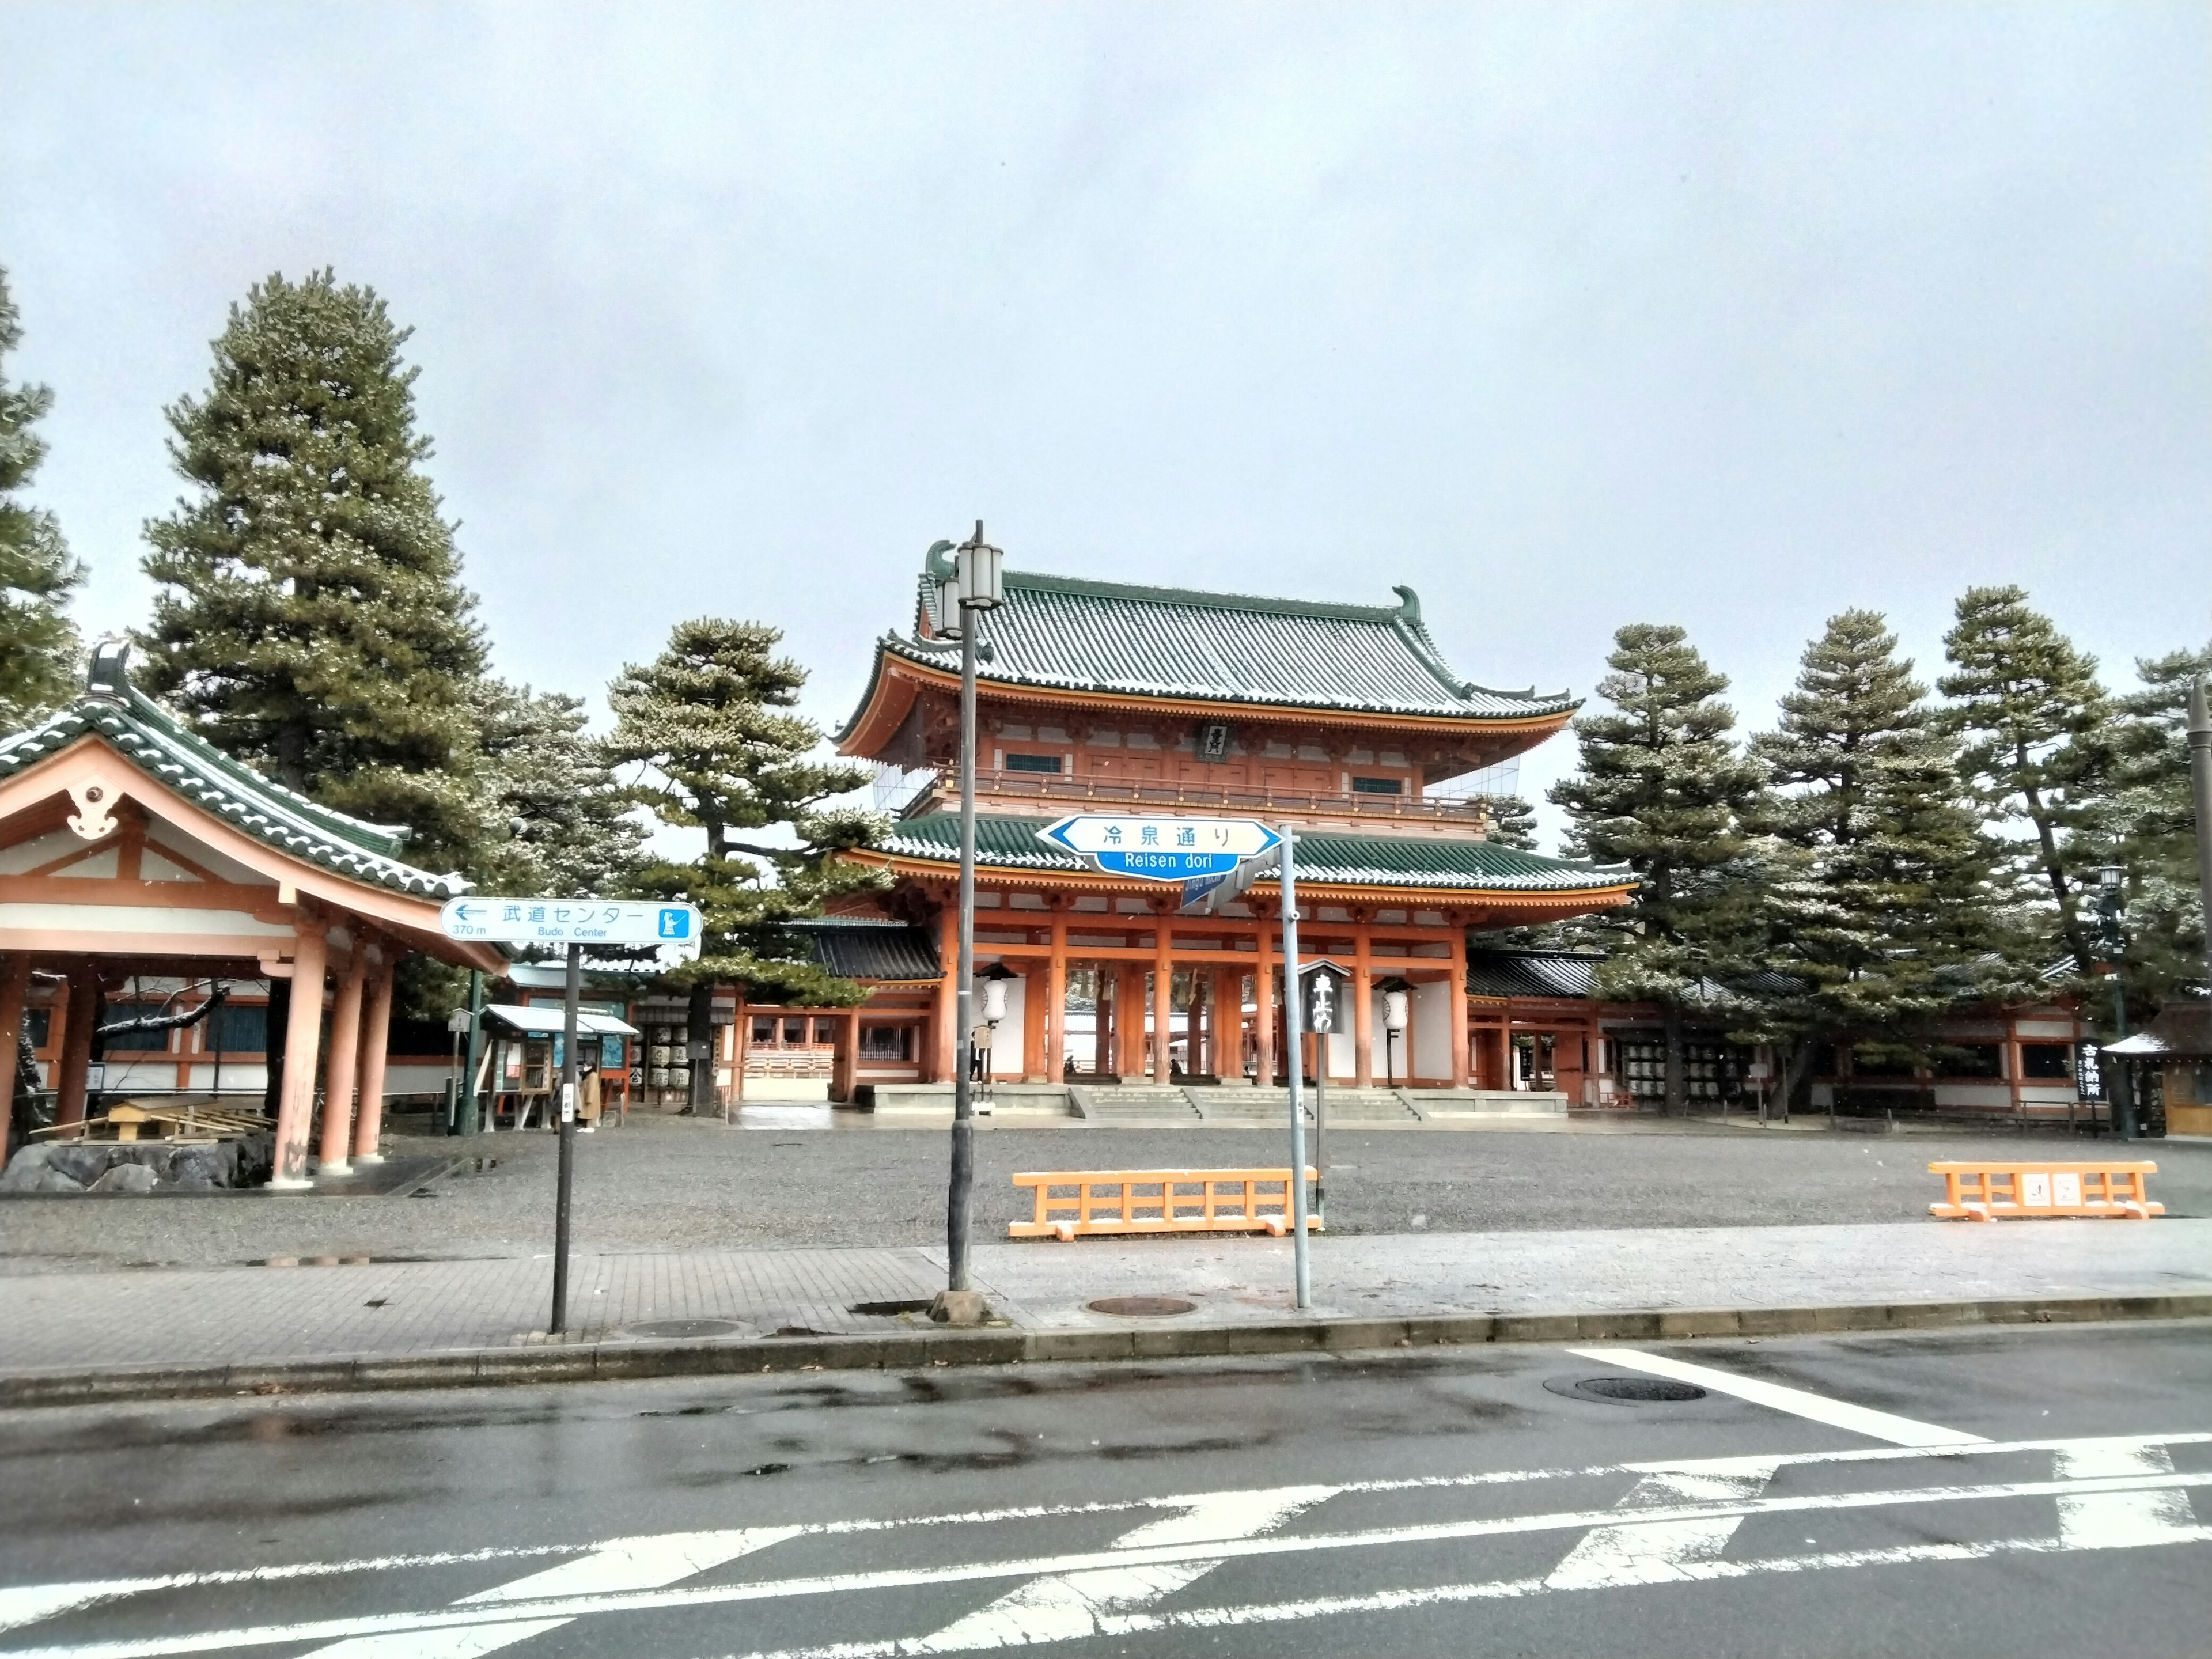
x,y
681,1328
1625,1391
1141,1307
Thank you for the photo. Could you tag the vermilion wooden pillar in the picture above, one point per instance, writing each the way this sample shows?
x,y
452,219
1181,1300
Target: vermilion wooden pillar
x,y
15,992
1129,1020
303,1041
1163,1000
375,1037
945,1066
341,1073
1363,1007
1034,1020
82,1014
1263,1008
1055,998
1458,1006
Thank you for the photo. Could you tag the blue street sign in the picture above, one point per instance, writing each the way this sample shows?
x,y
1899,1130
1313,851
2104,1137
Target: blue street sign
x,y
1160,848
570,921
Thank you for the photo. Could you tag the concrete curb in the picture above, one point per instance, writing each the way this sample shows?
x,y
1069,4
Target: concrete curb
x,y
618,1361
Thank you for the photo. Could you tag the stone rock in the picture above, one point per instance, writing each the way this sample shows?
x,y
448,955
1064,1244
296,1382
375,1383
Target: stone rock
x,y
127,1177
24,1169
53,1180
203,1169
83,1161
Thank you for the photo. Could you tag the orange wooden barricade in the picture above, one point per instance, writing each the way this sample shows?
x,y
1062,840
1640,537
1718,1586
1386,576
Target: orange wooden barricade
x,y
1171,1201
1977,1191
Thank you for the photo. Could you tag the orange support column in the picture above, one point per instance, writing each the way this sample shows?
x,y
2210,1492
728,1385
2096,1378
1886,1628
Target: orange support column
x,y
1163,1002
15,990
1362,1009
303,1041
844,1057
82,1014
1101,1013
944,1067
376,1034
340,1074
1263,1009
1458,1003
1129,1021
1055,1001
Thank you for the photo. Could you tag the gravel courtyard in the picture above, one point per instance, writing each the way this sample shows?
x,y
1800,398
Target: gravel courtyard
x,y
671,1184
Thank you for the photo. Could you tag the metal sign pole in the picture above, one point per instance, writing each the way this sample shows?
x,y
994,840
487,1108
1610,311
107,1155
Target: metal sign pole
x,y
1294,1024
560,1321
963,1096
2200,778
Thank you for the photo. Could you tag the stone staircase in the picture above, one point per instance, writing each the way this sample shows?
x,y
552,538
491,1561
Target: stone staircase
x,y
1132,1104
1265,1108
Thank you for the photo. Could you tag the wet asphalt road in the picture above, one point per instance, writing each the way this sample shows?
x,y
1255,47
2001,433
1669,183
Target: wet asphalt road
x,y
1448,1502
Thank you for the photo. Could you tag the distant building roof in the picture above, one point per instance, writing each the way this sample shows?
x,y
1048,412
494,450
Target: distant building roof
x,y
865,948
2182,1030
1324,857
1500,973
1063,633
166,751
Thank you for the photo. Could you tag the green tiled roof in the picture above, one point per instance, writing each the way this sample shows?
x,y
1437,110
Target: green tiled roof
x,y
1323,856
159,744
862,947
1059,632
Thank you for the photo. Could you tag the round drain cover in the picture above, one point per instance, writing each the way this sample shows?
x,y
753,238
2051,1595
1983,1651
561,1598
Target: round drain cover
x,y
1141,1307
1625,1391
678,1328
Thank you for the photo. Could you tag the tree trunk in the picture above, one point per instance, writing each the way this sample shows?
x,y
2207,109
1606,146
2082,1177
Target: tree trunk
x,y
2054,871
1677,1099
1797,1067
699,1048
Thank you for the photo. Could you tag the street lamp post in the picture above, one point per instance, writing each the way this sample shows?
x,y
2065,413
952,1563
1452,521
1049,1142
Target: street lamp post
x,y
2200,778
2112,899
977,584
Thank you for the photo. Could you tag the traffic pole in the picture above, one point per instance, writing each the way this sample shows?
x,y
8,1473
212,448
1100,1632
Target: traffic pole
x,y
1294,1029
963,1094
560,1321
2200,778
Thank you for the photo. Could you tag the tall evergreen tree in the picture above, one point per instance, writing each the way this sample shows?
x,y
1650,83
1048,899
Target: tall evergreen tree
x,y
710,734
1664,790
2036,744
312,621
547,780
2156,825
38,643
1512,822
1885,906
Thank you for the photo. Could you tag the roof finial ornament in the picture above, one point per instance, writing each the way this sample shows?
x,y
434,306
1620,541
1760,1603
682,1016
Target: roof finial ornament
x,y
1410,610
938,560
109,676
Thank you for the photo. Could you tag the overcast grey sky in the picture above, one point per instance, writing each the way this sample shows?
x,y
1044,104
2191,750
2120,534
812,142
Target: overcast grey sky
x,y
1567,315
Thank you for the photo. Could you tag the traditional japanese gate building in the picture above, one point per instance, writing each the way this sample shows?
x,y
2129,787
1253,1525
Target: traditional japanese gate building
x,y
1343,720
133,855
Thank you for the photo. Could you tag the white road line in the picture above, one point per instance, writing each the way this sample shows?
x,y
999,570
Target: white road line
x,y
1655,1551
2121,1520
27,1604
1062,1607
1799,1402
615,1566
971,1573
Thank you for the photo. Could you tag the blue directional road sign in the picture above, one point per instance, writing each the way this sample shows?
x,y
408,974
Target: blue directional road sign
x,y
571,921
1160,849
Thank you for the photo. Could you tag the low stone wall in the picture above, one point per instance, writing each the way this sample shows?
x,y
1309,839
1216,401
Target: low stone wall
x,y
137,1166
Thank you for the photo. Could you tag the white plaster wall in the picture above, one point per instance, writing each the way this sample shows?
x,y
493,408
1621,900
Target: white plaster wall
x,y
1432,1033
1006,1045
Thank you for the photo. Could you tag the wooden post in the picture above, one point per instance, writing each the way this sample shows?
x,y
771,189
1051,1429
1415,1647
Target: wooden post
x,y
375,1040
946,1065
1102,1011
82,1014
1457,1004
14,991
1363,1007
303,1038
1033,975
844,1057
1128,1021
340,1074
744,1035
1162,1001
1055,1000
1263,1009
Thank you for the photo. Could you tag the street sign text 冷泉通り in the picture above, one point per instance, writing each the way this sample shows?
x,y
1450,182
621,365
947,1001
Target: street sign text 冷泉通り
x,y
1159,849
571,921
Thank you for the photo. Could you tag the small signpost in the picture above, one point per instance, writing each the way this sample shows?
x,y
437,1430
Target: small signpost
x,y
1323,987
573,923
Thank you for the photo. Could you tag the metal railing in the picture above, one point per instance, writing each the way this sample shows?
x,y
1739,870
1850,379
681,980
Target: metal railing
x,y
943,789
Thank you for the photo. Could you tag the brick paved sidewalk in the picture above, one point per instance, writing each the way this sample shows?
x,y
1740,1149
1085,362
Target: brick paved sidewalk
x,y
338,1309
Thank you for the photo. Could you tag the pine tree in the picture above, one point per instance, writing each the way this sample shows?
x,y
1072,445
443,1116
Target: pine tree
x,y
38,642
1512,822
709,730
1664,790
569,832
2037,742
1885,907
312,621
2156,824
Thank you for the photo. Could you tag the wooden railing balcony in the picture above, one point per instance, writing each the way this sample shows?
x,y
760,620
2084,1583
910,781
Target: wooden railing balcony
x,y
942,793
